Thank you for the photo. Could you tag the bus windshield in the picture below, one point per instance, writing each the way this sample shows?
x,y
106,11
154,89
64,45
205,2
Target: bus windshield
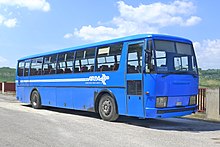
x,y
174,57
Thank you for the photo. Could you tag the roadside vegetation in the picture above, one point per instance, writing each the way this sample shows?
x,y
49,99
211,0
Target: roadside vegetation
x,y
7,74
208,78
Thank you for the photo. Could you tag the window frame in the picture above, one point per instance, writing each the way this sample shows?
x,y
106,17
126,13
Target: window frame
x,y
65,61
139,58
28,69
115,56
83,58
53,68
18,68
42,59
175,42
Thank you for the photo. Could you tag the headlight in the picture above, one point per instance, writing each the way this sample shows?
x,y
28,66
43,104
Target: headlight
x,y
192,100
161,102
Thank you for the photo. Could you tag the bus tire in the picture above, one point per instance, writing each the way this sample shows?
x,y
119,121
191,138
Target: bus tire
x,y
107,108
35,100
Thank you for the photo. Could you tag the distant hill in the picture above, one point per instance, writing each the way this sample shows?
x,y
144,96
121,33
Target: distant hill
x,y
208,78
7,74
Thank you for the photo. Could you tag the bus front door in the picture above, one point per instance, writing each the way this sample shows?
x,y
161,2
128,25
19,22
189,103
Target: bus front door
x,y
135,104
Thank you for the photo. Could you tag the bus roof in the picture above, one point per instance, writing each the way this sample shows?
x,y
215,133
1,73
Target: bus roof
x,y
123,39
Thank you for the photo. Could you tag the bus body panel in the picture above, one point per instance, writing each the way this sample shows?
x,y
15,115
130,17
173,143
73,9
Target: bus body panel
x,y
48,95
73,97
178,89
20,93
65,97
170,112
175,85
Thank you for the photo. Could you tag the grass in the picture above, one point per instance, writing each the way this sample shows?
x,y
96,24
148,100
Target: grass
x,y
209,83
7,74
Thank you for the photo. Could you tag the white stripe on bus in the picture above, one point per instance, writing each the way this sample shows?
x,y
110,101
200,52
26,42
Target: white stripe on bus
x,y
55,80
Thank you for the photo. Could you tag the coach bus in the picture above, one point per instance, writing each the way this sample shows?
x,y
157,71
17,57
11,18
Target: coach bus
x,y
145,76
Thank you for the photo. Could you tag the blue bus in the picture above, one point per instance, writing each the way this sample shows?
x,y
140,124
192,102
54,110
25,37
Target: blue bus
x,y
145,76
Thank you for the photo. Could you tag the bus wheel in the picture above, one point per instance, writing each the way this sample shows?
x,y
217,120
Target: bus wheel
x,y
107,108
35,100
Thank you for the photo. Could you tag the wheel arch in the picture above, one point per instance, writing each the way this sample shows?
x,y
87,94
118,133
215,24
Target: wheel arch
x,y
100,94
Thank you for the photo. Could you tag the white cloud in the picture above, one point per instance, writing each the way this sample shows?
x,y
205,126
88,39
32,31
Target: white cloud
x,y
193,20
10,23
30,4
41,5
69,35
2,18
149,18
208,53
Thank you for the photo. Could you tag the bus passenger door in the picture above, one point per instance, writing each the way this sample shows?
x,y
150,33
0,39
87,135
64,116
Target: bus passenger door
x,y
135,104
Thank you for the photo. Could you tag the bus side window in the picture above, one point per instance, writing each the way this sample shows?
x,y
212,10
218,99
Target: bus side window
x,y
69,62
61,65
84,61
36,66
134,63
65,63
26,67
49,66
78,57
108,57
20,68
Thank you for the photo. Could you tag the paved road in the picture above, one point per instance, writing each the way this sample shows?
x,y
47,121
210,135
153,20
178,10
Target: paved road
x,y
20,125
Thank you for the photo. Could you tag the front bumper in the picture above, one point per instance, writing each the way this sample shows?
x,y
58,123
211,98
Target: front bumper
x,y
170,112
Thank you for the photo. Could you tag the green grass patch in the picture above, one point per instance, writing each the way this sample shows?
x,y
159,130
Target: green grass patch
x,y
7,74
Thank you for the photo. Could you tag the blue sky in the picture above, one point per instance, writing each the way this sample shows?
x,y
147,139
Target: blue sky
x,y
34,26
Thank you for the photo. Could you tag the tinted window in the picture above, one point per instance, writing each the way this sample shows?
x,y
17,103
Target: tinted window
x,y
49,66
65,63
26,67
167,46
183,48
108,57
134,58
36,66
21,68
84,61
175,57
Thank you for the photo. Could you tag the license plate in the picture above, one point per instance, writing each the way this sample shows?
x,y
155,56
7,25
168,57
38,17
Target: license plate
x,y
178,103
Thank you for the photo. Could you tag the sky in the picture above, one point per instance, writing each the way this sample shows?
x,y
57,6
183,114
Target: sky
x,y
29,27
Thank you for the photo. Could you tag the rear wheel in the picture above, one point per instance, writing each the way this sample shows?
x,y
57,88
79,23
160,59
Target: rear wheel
x,y
35,100
107,108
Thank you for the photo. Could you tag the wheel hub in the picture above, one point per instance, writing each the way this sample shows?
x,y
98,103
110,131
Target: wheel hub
x,y
106,107
34,100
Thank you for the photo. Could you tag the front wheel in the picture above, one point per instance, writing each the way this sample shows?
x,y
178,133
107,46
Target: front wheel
x,y
107,108
35,100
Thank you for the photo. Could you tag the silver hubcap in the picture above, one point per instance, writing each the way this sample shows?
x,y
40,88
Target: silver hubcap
x,y
106,107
